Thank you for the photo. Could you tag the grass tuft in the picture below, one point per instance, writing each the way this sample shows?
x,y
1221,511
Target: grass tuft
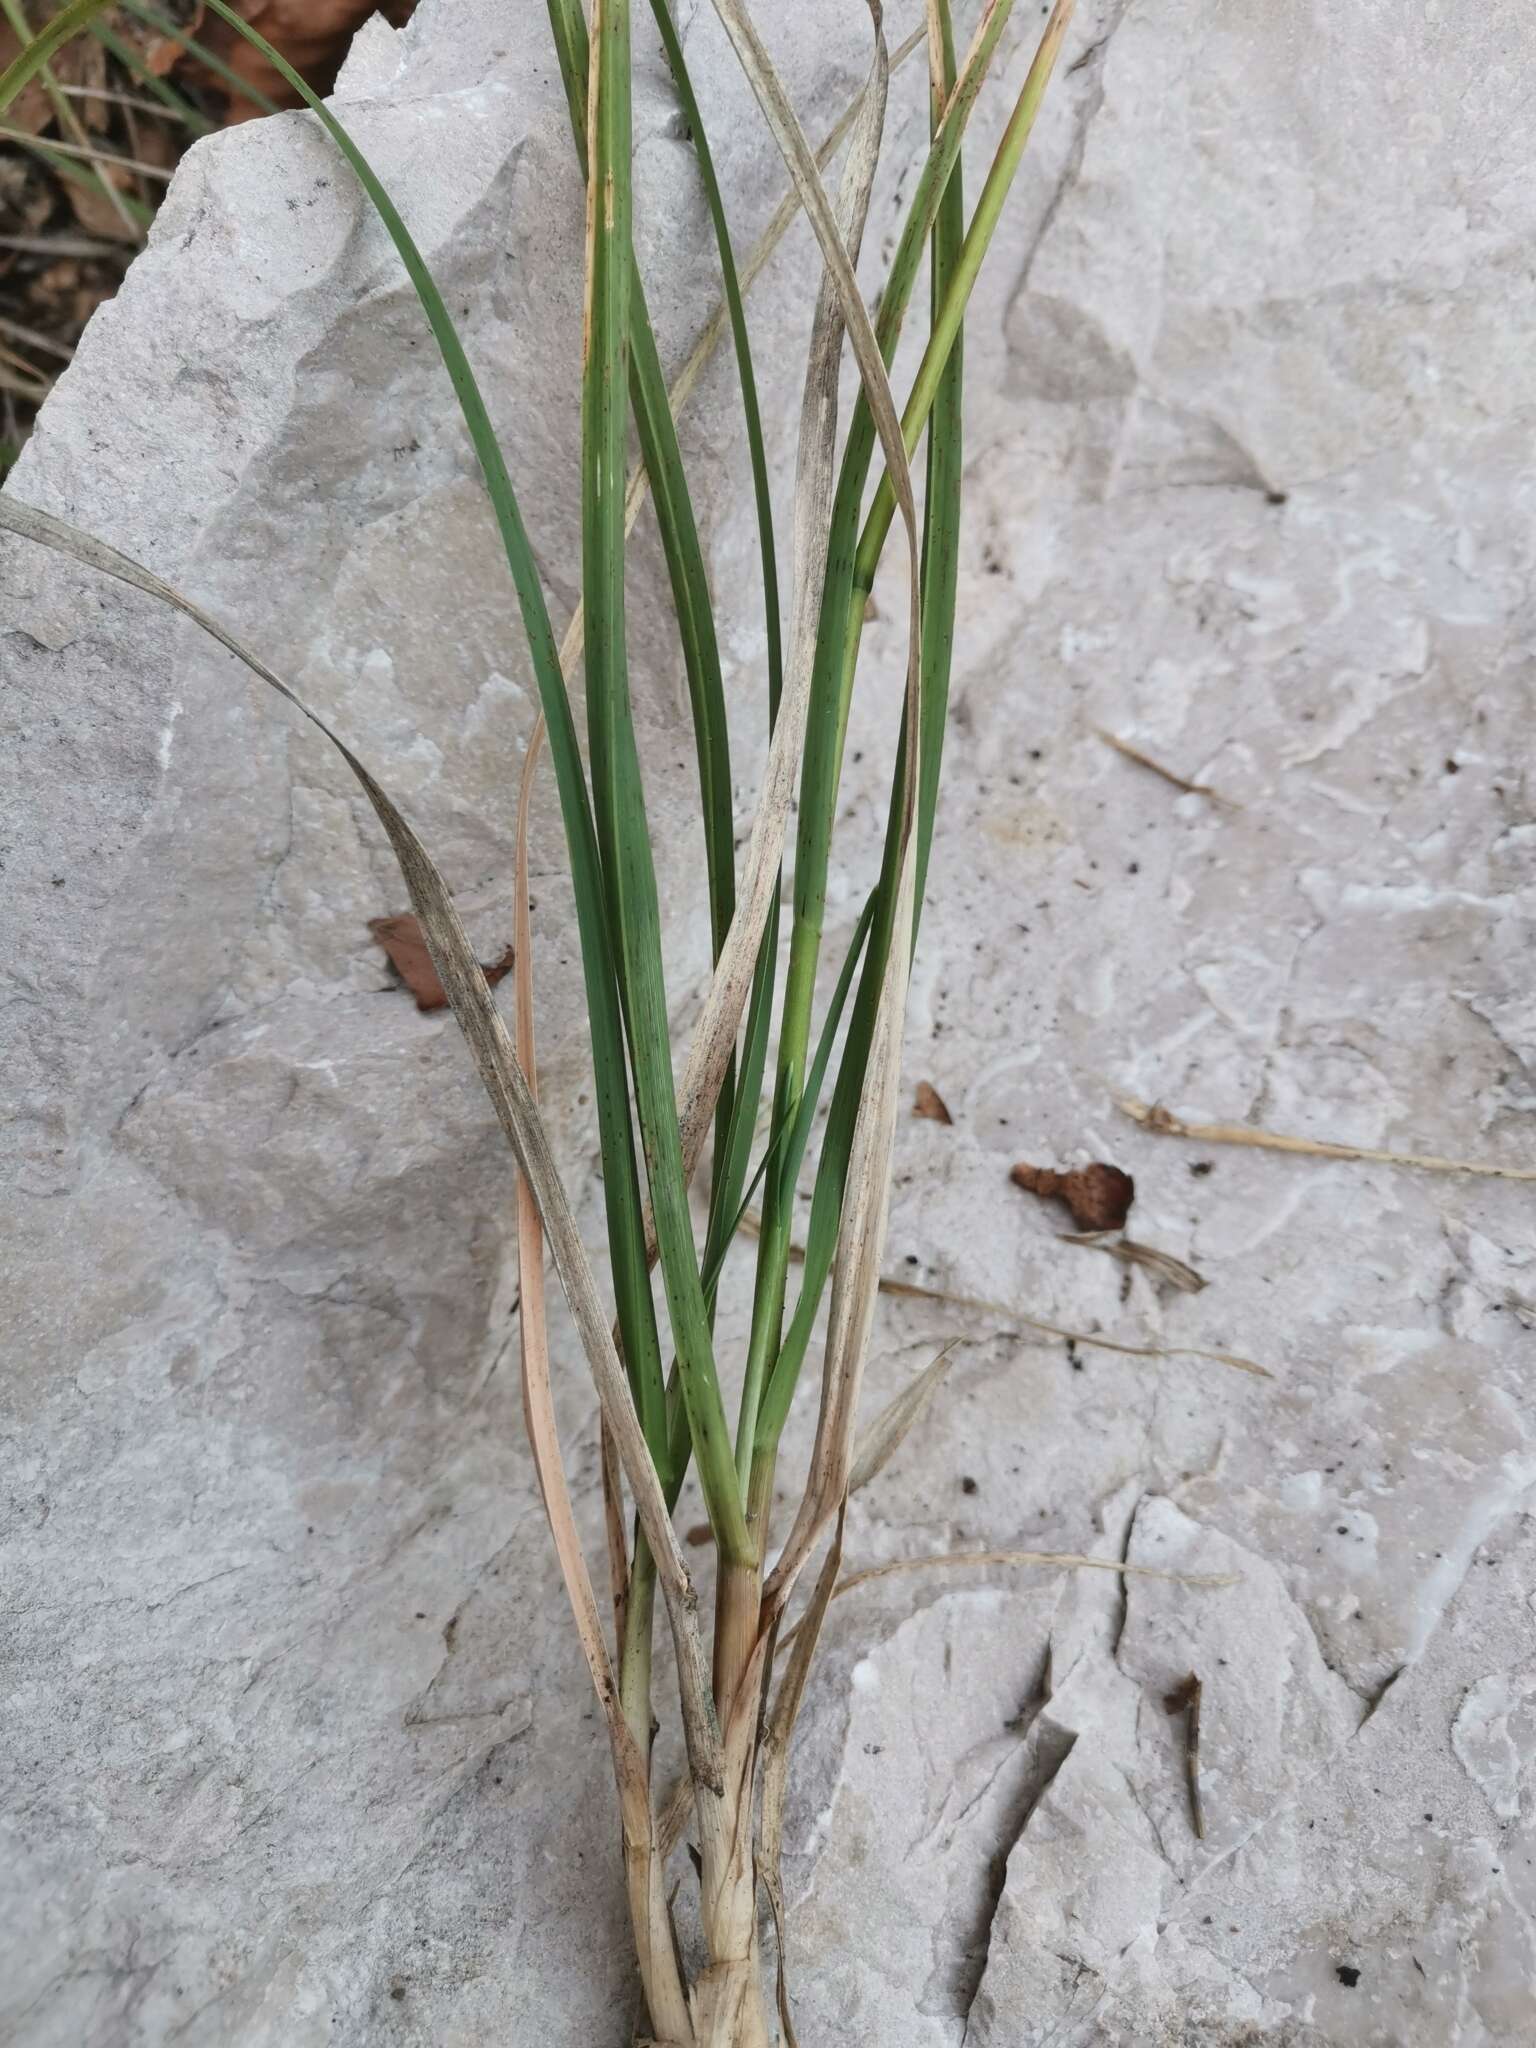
x,y
651,1133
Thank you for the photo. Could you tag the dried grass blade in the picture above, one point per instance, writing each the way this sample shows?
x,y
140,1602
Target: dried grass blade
x,y
783,218
710,1051
907,1290
655,1938
890,1428
613,1528
95,158
800,161
856,1270
776,1748
714,1036
978,239
1161,1265
1066,1560
1153,1117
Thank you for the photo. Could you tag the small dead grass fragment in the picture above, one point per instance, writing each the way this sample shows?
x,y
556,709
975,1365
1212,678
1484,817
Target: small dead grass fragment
x,y
1168,774
1153,1117
1163,1266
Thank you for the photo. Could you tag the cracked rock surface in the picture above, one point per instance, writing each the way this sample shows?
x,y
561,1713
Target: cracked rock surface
x,y
298,1747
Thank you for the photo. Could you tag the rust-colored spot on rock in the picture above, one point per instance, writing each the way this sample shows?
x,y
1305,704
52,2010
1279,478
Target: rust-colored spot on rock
x,y
407,950
1099,1196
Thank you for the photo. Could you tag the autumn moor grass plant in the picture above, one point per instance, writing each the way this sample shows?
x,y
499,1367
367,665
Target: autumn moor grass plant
x,y
659,1378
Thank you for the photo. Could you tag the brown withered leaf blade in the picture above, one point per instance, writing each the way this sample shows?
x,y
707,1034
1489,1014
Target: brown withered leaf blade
x,y
1099,1195
881,1441
930,1103
402,941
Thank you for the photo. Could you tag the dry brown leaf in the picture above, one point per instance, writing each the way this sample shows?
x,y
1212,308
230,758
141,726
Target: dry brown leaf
x,y
1099,1196
401,939
930,1103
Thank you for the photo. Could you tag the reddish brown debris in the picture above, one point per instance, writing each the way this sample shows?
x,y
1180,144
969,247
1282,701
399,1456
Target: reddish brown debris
x,y
931,1104
313,35
402,940
1099,1196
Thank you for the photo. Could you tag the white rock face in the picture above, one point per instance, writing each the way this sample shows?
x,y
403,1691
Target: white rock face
x,y
298,1748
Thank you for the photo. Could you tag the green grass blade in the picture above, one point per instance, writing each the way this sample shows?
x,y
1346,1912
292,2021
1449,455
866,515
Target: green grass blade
x,y
739,1096
70,121
662,457
835,656
782,1160
833,670
786,1149
827,1197
618,794
28,62
940,563
734,1151
621,1180
659,450
741,341
724,1227
794,736
941,506
946,326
